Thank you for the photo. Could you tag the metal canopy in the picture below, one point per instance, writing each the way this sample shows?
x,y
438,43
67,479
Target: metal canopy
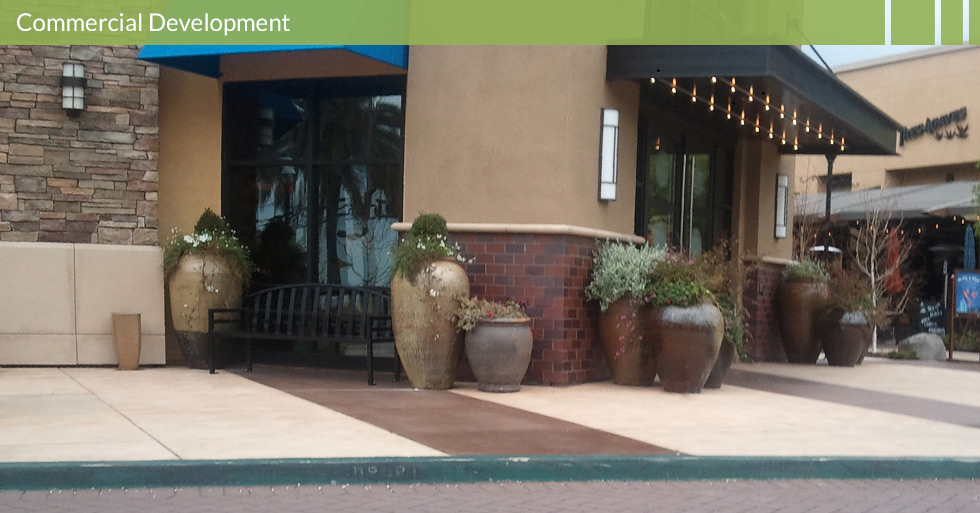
x,y
790,80
206,59
908,202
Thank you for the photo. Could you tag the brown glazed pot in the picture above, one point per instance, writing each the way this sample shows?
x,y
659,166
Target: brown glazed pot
x,y
726,357
499,351
845,337
689,340
428,342
621,328
799,303
202,281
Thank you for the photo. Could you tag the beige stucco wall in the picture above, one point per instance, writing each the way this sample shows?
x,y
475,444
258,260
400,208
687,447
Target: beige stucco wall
x,y
307,64
910,91
507,134
63,314
757,163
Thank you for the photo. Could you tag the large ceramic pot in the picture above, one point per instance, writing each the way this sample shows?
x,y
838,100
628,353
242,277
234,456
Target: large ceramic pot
x,y
726,357
499,351
845,336
621,328
202,281
688,340
428,342
799,303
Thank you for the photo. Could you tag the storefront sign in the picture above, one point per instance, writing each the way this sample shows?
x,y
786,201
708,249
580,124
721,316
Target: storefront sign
x,y
938,127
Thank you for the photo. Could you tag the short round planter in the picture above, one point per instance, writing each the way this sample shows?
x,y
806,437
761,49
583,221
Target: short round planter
x,y
799,303
429,344
689,340
499,351
201,282
845,336
622,328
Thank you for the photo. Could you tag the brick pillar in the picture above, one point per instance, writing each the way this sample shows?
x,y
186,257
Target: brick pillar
x,y
761,287
549,273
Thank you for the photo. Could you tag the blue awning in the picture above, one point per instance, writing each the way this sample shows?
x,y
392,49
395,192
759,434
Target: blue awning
x,y
206,59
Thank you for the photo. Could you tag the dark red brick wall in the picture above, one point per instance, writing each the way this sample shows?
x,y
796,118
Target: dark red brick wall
x,y
549,273
761,288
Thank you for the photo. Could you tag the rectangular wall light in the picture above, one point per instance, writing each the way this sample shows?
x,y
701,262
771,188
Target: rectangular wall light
x,y
73,88
608,154
782,205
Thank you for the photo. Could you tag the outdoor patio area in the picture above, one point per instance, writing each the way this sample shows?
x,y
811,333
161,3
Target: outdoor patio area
x,y
881,408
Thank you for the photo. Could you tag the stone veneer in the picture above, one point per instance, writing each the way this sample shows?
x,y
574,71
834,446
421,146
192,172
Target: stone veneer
x,y
549,273
87,179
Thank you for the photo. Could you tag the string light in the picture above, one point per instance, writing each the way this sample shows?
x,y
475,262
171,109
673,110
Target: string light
x,y
767,103
743,116
694,94
714,79
784,137
782,111
729,110
796,143
733,85
751,94
756,123
794,117
770,129
653,80
673,86
920,230
711,103
820,131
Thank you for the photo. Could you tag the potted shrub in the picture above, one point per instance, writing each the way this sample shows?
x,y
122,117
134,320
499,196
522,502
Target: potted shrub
x,y
620,275
426,282
498,342
685,326
725,278
205,269
843,322
802,294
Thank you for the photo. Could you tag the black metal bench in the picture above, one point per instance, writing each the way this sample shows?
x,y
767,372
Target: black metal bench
x,y
309,312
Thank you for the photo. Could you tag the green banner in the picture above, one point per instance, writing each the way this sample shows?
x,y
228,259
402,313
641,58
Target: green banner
x,y
473,22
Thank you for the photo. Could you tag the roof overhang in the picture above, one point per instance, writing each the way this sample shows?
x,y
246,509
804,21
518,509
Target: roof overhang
x,y
792,82
206,59
907,202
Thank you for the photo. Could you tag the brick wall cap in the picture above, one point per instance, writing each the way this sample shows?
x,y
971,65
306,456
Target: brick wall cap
x,y
544,229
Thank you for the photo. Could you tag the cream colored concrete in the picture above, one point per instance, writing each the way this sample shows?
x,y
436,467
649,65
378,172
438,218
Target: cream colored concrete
x,y
306,64
37,291
757,163
954,384
45,349
86,414
911,90
741,422
547,229
118,279
509,134
100,350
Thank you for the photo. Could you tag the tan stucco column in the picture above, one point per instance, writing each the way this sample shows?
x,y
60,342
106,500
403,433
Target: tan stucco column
x,y
757,164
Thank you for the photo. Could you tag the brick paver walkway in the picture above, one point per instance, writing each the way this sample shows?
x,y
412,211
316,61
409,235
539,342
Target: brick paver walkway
x,y
817,496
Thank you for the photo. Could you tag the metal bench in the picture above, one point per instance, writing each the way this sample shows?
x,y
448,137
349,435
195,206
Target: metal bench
x,y
308,312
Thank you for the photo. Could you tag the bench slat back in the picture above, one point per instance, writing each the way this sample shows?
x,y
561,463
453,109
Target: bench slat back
x,y
316,310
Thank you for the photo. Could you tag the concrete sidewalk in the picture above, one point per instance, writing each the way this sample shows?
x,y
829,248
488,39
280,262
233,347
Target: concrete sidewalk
x,y
880,409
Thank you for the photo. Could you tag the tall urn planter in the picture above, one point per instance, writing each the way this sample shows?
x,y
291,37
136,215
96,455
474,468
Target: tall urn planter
x,y
499,352
200,282
799,304
621,329
428,342
687,341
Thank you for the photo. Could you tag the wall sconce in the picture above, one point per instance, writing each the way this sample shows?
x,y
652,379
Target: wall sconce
x,y
73,88
782,205
608,154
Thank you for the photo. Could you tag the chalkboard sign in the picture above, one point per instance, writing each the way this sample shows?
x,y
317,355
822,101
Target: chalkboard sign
x,y
929,317
967,293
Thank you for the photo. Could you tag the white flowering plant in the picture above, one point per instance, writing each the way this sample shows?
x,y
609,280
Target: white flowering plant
x,y
211,235
426,242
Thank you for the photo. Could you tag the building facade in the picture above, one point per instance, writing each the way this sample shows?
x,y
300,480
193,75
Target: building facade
x,y
318,157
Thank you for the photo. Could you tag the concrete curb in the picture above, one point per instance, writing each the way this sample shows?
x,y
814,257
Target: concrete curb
x,y
189,473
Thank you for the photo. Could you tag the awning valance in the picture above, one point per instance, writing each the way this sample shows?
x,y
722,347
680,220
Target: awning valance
x,y
908,202
206,59
780,77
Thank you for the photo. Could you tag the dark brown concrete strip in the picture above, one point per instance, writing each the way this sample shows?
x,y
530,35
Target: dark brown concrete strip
x,y
939,411
447,422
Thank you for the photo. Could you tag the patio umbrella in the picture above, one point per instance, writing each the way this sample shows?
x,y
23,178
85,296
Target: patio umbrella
x,y
893,280
969,250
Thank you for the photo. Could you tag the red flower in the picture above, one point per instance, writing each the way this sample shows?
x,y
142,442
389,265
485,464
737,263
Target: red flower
x,y
490,315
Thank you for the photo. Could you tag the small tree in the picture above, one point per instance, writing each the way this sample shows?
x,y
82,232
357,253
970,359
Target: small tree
x,y
870,250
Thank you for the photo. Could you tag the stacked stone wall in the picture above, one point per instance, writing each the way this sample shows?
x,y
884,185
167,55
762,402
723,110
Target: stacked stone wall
x,y
85,179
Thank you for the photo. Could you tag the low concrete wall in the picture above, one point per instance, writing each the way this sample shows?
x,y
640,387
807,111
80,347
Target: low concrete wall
x,y
57,300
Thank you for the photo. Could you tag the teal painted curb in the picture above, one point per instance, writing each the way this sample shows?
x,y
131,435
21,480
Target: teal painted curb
x,y
465,469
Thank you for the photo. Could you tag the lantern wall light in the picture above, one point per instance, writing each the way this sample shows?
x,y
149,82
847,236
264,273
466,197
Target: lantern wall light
x,y
73,88
608,154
